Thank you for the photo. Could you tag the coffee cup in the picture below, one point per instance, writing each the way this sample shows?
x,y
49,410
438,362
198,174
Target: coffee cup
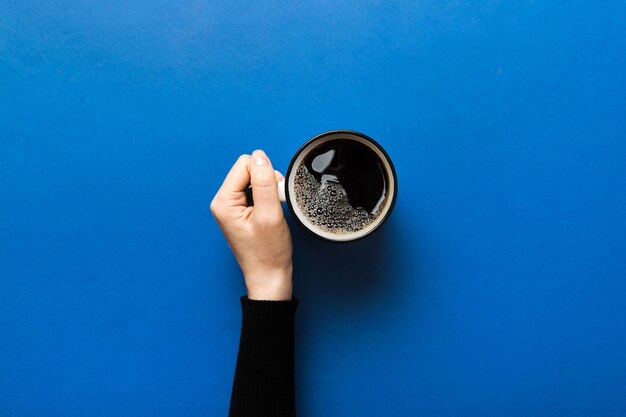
x,y
340,186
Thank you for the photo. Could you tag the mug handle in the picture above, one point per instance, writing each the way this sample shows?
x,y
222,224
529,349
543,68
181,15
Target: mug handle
x,y
280,186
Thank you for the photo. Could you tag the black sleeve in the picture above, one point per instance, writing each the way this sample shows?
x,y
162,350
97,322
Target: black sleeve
x,y
264,384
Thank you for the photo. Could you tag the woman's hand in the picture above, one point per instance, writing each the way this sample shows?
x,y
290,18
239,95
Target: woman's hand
x,y
258,235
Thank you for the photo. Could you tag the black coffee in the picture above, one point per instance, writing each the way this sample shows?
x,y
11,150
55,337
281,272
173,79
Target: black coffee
x,y
341,186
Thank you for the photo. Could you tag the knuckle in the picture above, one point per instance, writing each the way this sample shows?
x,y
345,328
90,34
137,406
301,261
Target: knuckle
x,y
243,157
215,207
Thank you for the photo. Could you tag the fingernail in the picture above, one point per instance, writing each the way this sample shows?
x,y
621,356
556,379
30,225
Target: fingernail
x,y
259,160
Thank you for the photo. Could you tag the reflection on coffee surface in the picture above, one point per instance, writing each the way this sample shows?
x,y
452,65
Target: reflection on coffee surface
x,y
341,186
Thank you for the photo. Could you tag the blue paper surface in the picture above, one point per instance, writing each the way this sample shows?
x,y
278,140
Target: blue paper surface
x,y
497,288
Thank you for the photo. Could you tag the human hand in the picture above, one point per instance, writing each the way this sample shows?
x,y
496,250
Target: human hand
x,y
258,235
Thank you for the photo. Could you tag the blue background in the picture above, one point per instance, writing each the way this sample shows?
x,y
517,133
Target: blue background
x,y
497,288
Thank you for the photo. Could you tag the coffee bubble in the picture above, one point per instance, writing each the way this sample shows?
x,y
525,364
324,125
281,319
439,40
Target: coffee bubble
x,y
326,205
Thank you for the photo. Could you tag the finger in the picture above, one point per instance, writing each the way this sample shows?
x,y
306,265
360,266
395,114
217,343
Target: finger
x,y
263,180
237,179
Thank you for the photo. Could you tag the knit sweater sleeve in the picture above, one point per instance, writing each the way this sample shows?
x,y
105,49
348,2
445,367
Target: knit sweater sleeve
x,y
264,384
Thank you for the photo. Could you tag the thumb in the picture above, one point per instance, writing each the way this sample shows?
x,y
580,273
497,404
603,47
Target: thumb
x,y
263,180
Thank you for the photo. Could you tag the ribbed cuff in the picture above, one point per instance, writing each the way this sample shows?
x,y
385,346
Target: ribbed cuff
x,y
264,376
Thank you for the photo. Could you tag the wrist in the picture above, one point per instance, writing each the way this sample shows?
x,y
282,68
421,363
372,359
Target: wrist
x,y
269,285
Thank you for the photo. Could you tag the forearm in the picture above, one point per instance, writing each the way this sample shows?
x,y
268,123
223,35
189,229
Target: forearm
x,y
264,382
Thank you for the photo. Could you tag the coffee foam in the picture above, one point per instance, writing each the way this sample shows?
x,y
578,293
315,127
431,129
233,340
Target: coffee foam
x,y
326,205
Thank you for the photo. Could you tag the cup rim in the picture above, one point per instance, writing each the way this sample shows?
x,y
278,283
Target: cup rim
x,y
318,137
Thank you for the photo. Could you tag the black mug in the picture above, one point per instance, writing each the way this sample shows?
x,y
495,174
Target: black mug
x,y
340,186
